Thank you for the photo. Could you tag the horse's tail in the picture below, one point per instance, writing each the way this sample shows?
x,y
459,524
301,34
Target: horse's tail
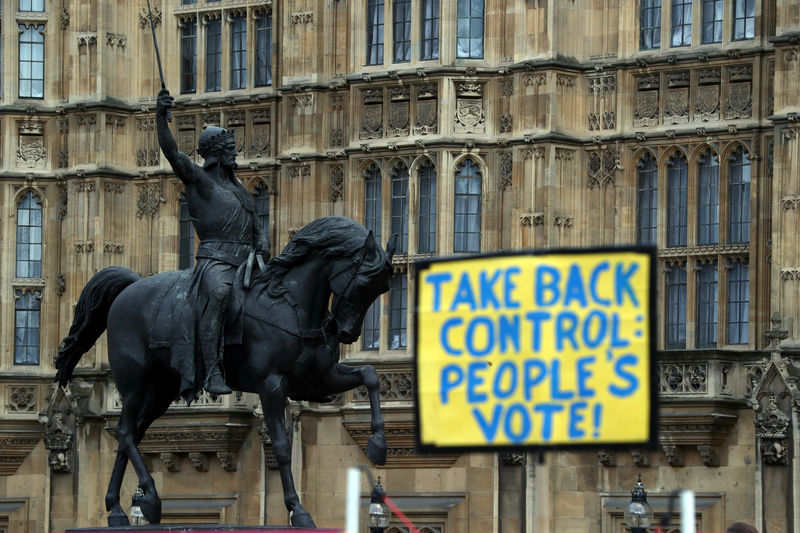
x,y
91,314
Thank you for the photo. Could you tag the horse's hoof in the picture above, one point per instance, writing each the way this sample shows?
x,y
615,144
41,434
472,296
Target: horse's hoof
x,y
302,519
376,450
118,518
151,507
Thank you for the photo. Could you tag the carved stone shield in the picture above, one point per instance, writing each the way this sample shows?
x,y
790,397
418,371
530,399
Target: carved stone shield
x,y
646,112
707,105
398,116
372,121
676,109
469,113
739,102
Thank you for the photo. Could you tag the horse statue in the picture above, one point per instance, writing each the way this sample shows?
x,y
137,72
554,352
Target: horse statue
x,y
289,345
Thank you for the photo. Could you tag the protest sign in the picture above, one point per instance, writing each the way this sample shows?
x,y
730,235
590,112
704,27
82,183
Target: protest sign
x,y
535,350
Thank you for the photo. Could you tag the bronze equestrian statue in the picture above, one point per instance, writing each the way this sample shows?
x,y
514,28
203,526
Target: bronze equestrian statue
x,y
281,337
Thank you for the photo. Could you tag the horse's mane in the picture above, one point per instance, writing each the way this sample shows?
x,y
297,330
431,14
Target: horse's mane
x,y
330,237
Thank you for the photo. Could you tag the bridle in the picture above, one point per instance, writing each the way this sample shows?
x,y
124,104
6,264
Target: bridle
x,y
353,271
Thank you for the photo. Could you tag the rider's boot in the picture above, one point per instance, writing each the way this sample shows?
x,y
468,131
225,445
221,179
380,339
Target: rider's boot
x,y
211,347
214,383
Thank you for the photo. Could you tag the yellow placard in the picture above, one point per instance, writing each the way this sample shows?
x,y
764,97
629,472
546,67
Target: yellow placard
x,y
535,350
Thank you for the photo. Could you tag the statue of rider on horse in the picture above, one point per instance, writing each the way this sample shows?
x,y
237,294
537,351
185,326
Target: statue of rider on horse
x,y
224,216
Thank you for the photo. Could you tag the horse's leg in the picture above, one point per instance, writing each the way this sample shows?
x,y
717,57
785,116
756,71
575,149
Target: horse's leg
x,y
117,517
159,396
126,435
273,402
341,378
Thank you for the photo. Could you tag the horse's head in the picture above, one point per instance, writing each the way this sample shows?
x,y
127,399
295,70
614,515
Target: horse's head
x,y
356,285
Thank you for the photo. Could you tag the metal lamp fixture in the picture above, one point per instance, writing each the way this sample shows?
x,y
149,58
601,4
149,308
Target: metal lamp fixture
x,y
137,518
639,514
379,514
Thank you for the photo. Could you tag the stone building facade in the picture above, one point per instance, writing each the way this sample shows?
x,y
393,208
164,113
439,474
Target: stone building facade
x,y
464,125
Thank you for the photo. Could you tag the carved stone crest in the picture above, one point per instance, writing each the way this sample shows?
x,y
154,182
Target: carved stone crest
x,y
646,111
739,102
31,152
470,116
372,122
426,118
676,108
706,106
398,119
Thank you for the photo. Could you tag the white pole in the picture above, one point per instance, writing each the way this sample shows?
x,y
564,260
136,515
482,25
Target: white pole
x,y
687,511
353,497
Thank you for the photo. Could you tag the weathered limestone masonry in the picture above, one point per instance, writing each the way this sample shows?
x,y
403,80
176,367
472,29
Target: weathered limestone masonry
x,y
580,124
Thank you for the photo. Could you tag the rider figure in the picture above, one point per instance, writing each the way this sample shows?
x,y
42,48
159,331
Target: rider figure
x,y
224,217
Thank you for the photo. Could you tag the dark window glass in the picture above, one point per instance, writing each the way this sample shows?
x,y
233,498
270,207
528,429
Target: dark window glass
x,y
262,208
650,22
681,22
676,306
188,2
430,30
426,223
708,199
398,303
677,201
214,56
739,197
189,57
744,19
372,201
402,30
264,50
27,312
374,32
372,221
31,5
31,61
400,207
29,237
186,236
469,32
239,52
647,205
712,21
738,302
707,305
467,208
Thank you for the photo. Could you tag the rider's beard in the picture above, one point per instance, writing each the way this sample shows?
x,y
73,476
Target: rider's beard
x,y
229,161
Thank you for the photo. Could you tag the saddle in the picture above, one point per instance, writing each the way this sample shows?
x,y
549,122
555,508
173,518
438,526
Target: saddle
x,y
173,329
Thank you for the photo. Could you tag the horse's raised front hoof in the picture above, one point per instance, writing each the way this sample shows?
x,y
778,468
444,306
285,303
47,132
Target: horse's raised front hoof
x,y
151,507
118,518
302,519
376,450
